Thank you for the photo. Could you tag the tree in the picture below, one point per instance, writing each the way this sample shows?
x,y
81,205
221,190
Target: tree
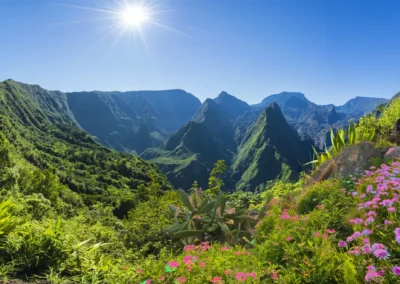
x,y
215,182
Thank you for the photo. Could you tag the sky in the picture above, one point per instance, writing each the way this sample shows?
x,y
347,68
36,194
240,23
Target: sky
x,y
330,50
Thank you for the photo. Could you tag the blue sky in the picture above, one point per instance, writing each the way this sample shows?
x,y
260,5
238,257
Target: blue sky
x,y
329,50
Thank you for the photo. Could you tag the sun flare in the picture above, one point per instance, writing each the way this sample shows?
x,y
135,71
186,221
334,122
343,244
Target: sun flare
x,y
134,16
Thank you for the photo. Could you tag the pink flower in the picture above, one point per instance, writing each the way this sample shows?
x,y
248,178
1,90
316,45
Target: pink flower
x,y
252,274
148,281
189,248
387,222
329,231
173,264
342,244
202,264
316,234
187,259
396,270
162,278
324,236
275,276
289,238
381,254
216,279
139,271
224,248
181,279
371,275
237,252
241,276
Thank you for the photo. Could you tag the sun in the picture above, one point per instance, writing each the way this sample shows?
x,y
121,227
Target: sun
x,y
134,16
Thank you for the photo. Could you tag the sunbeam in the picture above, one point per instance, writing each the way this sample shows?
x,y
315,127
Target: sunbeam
x,y
129,17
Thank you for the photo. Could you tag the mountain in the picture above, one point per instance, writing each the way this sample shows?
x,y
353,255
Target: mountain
x,y
361,105
270,149
280,99
257,147
310,119
132,121
48,141
190,153
231,105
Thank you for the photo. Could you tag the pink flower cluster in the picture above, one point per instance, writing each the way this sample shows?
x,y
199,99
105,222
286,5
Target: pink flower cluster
x,y
379,201
242,276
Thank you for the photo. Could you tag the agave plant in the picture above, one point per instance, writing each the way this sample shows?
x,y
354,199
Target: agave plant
x,y
338,143
206,219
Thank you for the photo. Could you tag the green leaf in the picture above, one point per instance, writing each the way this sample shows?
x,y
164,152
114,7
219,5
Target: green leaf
x,y
172,208
208,207
263,210
224,228
185,199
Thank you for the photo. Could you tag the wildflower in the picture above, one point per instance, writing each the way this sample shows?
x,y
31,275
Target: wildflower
x,y
356,221
396,270
371,275
224,248
381,254
237,252
216,279
354,193
386,203
371,213
342,244
252,274
398,239
324,236
369,220
187,260
376,246
363,195
181,279
162,278
366,241
139,271
381,272
366,249
202,264
387,222
189,248
289,238
241,276
275,276
367,232
397,231
329,231
355,252
316,234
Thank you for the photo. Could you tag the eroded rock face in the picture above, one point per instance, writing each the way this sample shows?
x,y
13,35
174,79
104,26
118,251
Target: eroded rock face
x,y
351,160
392,154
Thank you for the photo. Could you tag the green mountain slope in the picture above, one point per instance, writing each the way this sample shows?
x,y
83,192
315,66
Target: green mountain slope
x,y
270,149
190,153
43,132
132,121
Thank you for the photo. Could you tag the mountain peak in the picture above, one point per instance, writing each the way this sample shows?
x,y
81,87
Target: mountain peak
x,y
232,106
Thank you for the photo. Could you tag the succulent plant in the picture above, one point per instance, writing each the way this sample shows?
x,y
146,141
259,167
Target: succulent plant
x,y
207,219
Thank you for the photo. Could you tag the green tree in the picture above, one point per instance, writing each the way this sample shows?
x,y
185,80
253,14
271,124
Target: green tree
x,y
215,182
